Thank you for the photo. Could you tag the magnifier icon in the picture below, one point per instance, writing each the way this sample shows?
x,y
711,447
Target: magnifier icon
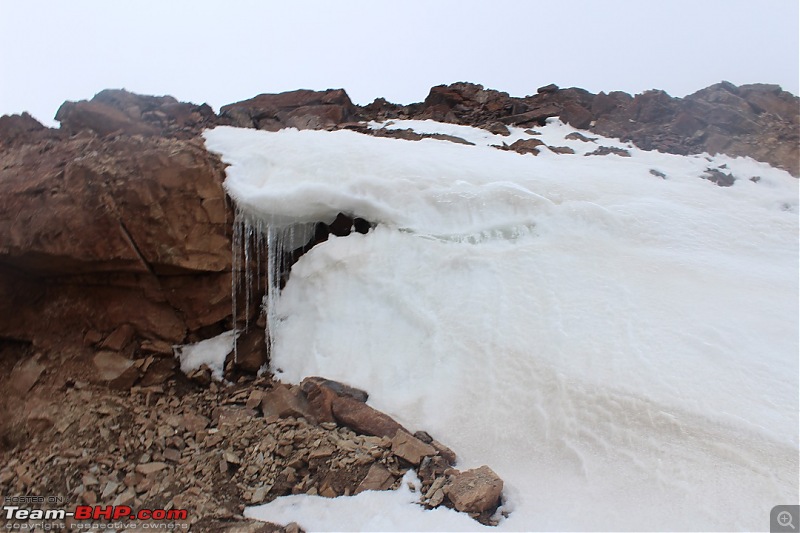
x,y
785,519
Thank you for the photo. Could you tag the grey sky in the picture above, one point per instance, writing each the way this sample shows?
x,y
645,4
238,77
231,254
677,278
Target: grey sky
x,y
223,51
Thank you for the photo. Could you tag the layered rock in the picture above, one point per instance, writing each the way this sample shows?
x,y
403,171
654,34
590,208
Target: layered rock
x,y
302,109
99,233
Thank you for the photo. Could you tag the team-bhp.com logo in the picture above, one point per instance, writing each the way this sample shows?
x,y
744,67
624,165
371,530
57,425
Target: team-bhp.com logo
x,y
113,513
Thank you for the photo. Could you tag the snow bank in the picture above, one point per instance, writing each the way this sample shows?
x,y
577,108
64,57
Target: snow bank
x,y
622,349
210,352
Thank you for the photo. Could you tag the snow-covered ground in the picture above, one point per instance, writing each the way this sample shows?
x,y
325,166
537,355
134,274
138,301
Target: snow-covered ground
x,y
621,349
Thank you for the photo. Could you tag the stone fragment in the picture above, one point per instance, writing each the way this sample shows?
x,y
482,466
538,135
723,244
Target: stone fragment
x,y
475,491
377,478
321,393
282,402
437,498
193,422
410,448
25,375
171,454
119,339
526,146
109,490
117,371
201,375
446,453
607,150
150,468
254,399
159,372
578,136
363,418
126,497
561,149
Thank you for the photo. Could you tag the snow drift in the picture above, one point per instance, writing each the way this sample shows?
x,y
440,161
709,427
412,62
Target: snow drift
x,y
622,349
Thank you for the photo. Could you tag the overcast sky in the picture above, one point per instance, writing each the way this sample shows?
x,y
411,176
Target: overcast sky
x,y
224,51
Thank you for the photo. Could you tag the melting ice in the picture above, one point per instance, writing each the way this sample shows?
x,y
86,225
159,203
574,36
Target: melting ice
x,y
621,348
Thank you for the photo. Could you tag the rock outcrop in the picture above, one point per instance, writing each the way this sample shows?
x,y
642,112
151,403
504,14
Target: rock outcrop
x,y
760,121
301,109
100,233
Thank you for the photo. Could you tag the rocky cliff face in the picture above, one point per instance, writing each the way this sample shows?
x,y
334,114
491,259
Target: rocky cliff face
x,y
118,219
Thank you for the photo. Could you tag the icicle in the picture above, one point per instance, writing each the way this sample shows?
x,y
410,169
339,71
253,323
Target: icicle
x,y
248,237
236,243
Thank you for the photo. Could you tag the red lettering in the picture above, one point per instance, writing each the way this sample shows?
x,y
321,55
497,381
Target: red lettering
x,y
178,514
103,512
121,511
83,512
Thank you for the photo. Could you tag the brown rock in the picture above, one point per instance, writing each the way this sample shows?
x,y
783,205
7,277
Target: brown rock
x,y
446,453
411,448
526,146
119,339
25,375
363,418
300,109
578,136
561,149
150,468
251,351
576,115
321,392
159,372
116,236
377,478
116,370
498,128
16,129
536,117
475,491
171,454
282,402
551,88
606,150
720,178
99,118
193,422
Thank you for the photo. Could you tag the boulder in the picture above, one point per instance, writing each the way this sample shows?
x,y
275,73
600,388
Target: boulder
x,y
120,112
283,401
98,235
99,118
526,146
362,418
302,109
321,393
475,491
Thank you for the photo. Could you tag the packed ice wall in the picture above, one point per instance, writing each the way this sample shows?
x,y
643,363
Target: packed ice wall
x,y
619,346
